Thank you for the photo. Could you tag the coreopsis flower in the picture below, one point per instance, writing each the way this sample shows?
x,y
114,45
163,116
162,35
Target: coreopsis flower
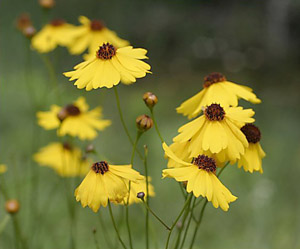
x,y
109,66
105,183
3,168
92,33
216,90
137,187
56,33
74,119
252,159
65,159
218,132
201,179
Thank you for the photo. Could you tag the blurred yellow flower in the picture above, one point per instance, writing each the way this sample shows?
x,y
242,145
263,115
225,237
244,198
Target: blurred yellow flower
x,y
3,168
216,90
217,131
201,179
110,66
105,183
65,159
91,34
252,159
57,32
74,120
137,187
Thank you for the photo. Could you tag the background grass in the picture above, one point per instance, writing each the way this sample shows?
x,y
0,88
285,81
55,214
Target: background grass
x,y
255,43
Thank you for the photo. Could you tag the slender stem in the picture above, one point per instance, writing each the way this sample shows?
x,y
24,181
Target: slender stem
x,y
198,223
147,196
182,190
19,237
4,222
156,126
50,69
156,216
138,135
95,239
115,226
175,222
202,212
188,224
122,120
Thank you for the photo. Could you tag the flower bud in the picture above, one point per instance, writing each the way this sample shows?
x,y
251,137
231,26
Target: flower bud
x,y
29,31
140,195
90,148
12,206
23,21
150,99
144,122
47,4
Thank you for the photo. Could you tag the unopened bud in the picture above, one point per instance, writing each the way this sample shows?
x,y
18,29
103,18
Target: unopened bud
x,y
29,31
144,122
12,206
47,4
140,195
150,99
62,114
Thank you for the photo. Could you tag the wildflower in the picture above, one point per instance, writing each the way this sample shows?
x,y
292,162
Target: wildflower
x,y
74,120
137,187
252,159
105,183
144,123
92,33
12,206
217,131
110,66
53,34
216,90
150,99
181,151
47,4
65,159
201,179
3,168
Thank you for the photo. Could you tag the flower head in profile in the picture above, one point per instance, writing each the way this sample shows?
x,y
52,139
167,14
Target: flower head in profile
x,y
65,159
217,131
92,33
216,90
252,159
74,119
105,183
3,168
109,66
56,33
201,179
137,187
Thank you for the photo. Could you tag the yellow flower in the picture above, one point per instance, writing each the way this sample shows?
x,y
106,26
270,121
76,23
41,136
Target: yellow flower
x,y
3,168
74,120
201,179
217,131
92,33
216,90
137,187
63,158
181,151
58,32
252,159
110,66
105,183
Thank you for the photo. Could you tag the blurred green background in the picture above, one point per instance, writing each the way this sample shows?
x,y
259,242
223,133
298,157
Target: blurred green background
x,y
255,43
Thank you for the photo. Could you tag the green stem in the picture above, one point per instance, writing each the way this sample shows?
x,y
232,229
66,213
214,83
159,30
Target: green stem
x,y
115,226
155,125
51,70
188,224
95,240
122,120
156,216
19,237
175,222
147,196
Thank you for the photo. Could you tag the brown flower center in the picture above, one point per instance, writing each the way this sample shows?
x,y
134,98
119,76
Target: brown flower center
x,y
252,133
214,112
100,167
205,163
213,78
106,51
67,146
96,25
57,22
69,110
